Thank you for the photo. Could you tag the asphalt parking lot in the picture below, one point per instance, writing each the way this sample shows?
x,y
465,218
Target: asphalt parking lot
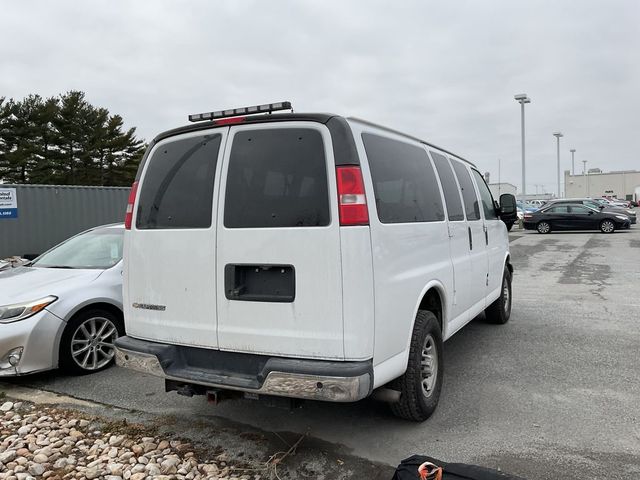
x,y
552,394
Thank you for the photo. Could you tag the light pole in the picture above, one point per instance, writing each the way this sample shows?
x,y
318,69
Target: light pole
x,y
584,175
558,135
522,99
573,152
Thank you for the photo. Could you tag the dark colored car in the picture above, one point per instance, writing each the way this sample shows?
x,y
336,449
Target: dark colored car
x,y
597,203
574,217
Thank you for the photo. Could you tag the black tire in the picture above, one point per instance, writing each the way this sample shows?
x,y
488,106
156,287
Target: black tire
x,y
499,311
70,364
543,227
607,226
415,403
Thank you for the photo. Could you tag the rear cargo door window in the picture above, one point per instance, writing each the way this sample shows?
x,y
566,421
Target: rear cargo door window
x,y
404,181
177,188
277,178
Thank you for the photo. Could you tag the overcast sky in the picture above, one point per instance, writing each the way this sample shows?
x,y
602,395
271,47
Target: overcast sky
x,y
444,71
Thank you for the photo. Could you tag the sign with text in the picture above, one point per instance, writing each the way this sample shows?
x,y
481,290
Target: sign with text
x,y
8,203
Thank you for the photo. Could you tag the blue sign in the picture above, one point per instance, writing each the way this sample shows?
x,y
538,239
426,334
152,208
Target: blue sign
x,y
8,213
8,203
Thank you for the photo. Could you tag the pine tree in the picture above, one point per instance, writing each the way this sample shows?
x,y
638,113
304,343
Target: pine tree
x,y
65,140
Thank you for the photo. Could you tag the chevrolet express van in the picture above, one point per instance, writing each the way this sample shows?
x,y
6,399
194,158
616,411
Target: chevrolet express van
x,y
308,256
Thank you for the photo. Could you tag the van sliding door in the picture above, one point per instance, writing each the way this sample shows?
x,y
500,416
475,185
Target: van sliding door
x,y
476,237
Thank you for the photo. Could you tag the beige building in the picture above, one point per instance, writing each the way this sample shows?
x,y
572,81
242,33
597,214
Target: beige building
x,y
624,185
498,189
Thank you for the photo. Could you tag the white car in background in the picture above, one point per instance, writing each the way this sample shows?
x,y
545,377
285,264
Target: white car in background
x,y
64,309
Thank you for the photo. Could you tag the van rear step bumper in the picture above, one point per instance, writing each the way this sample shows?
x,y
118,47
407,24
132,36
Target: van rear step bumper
x,y
259,374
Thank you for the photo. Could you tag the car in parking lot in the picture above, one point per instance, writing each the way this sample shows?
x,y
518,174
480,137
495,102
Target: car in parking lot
x,y
594,203
616,202
537,203
574,217
64,309
527,207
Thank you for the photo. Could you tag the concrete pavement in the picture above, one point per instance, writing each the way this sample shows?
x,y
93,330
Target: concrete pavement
x,y
552,394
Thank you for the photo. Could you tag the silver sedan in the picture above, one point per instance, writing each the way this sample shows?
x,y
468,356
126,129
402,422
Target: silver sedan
x,y
64,309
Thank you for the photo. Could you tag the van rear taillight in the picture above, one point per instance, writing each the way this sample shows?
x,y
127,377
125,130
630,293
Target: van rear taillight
x,y
130,204
352,201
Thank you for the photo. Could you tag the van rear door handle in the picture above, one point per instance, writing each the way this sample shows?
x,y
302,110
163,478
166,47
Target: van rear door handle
x,y
486,234
470,238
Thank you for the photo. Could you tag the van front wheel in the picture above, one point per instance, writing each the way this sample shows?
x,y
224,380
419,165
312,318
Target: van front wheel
x,y
421,384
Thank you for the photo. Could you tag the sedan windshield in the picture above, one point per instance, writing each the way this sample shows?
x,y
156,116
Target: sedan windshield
x,y
100,249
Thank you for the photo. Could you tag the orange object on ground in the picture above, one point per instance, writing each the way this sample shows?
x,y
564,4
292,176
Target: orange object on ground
x,y
430,471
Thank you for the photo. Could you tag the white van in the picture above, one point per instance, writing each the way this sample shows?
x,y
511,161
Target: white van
x,y
308,256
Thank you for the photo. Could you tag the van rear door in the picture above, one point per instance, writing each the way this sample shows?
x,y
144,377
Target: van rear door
x,y
279,289
169,293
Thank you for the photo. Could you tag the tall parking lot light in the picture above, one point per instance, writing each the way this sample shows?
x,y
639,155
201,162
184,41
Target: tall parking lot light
x,y
558,135
573,152
522,99
584,176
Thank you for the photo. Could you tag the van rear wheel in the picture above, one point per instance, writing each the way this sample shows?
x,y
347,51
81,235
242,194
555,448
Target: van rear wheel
x,y
421,383
499,311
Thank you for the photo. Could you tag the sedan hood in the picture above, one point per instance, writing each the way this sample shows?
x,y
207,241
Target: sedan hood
x,y
24,284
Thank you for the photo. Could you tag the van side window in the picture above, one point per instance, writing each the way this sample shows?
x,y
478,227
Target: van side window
x,y
404,182
177,188
449,186
485,195
471,204
277,178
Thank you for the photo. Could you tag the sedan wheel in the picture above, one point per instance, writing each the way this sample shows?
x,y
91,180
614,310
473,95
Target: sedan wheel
x,y
607,226
544,227
87,343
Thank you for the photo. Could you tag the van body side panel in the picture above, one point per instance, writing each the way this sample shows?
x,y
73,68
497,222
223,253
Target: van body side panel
x,y
169,284
357,292
406,258
309,323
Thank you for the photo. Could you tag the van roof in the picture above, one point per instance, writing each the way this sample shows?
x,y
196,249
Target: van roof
x,y
308,117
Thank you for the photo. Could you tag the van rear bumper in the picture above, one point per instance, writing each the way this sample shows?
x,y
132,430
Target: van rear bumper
x,y
331,381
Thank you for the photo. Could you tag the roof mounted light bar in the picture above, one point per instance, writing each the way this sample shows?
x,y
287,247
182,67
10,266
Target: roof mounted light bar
x,y
234,112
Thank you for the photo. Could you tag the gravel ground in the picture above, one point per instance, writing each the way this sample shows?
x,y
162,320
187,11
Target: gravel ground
x,y
56,444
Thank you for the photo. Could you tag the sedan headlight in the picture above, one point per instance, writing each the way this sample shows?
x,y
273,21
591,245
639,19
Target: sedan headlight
x,y
622,217
20,311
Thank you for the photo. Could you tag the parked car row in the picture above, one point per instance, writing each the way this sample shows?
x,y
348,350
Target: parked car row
x,y
564,214
574,216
